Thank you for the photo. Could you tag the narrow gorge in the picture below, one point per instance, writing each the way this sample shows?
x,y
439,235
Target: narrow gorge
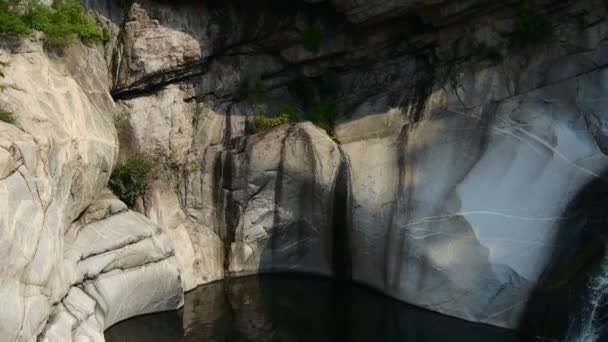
x,y
448,154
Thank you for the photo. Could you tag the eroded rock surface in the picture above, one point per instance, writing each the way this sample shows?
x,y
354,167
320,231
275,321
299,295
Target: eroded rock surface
x,y
119,266
446,185
456,150
56,160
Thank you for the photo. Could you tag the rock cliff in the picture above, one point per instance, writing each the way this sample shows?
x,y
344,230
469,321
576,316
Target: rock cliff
x,y
465,132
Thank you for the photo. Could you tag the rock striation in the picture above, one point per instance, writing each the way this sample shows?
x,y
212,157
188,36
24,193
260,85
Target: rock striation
x,y
449,181
70,251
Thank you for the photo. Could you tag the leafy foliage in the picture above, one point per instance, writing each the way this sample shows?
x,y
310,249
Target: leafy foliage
x,y
6,116
531,26
129,179
311,39
121,122
290,112
583,22
63,23
11,23
261,123
318,94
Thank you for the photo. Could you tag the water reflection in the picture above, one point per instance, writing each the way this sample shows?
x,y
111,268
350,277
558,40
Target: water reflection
x,y
293,309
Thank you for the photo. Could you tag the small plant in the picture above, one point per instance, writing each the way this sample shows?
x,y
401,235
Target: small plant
x,y
582,22
319,94
261,123
130,177
531,26
290,112
7,116
121,122
106,35
175,167
193,167
311,39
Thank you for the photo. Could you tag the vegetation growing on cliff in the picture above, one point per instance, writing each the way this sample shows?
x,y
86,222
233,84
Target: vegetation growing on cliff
x,y
63,23
582,22
317,94
11,22
311,39
531,26
6,116
129,179
261,123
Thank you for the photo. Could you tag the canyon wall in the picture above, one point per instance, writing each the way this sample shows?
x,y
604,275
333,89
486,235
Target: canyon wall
x,y
447,181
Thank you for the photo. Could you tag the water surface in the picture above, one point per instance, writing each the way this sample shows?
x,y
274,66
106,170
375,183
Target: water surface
x,y
294,309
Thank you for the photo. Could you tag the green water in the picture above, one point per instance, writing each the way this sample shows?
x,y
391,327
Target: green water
x,y
293,309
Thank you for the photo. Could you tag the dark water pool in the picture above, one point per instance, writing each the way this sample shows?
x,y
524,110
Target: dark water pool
x,y
293,309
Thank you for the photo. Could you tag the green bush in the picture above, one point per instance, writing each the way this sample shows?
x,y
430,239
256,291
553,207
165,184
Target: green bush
x,y
11,23
129,179
311,39
318,95
290,112
531,26
6,116
121,122
261,123
62,23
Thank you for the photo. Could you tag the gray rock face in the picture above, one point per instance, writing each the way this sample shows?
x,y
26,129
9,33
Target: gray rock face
x,y
446,185
58,156
285,222
439,149
118,267
457,235
376,10
55,162
148,48
255,205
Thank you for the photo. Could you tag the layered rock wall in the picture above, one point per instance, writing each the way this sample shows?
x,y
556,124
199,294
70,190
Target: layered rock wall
x,y
66,260
445,182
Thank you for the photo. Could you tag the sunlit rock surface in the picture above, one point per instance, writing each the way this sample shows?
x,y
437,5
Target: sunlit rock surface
x,y
448,181
60,154
119,266
55,163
